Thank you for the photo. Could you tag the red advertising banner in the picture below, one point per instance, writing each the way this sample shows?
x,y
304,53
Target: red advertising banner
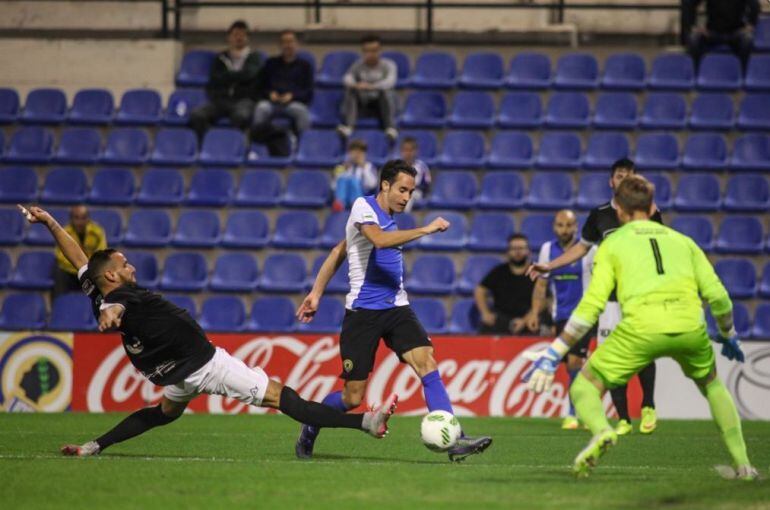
x,y
482,375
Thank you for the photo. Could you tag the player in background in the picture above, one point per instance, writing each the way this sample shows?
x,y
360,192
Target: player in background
x,y
377,305
170,349
567,286
603,221
662,279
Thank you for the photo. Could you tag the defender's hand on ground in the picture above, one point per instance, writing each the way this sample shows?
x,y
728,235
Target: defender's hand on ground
x,y
307,308
540,375
731,348
437,225
535,271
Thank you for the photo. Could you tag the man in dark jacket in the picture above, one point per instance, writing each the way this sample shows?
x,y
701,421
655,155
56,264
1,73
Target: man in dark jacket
x,y
232,83
729,22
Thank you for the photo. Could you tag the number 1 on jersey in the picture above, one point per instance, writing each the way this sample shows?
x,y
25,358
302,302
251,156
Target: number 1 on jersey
x,y
656,254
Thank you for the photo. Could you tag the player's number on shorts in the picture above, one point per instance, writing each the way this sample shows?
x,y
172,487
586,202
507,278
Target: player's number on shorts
x,y
656,254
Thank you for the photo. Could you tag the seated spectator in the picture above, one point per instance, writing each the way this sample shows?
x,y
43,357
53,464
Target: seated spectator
x,y
232,83
729,22
409,153
354,178
91,238
286,88
510,290
370,87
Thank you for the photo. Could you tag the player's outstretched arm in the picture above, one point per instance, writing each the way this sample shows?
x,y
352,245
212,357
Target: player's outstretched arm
x,y
381,239
334,260
576,252
71,250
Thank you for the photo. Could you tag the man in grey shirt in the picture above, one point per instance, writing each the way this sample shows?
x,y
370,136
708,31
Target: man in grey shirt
x,y
370,89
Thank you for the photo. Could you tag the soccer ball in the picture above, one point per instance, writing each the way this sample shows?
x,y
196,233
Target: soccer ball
x,y
439,431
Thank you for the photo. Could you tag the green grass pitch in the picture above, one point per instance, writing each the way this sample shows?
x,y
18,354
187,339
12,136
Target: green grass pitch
x,y
248,462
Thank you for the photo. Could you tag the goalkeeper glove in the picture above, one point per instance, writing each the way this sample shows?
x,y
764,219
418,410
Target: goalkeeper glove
x,y
731,345
540,375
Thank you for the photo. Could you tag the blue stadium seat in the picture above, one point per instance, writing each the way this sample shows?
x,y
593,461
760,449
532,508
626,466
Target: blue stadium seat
x,y
738,276
758,73
452,239
741,319
307,188
453,190
719,71
576,71
5,268
662,185
705,151
339,284
615,110
529,71
333,67
762,34
490,232
672,71
764,285
604,148
319,148
431,314
520,110
197,229
403,66
78,146
465,318
147,227
64,186
712,111
378,145
272,314
427,144
501,190
195,68
550,191
18,185
749,193
593,190
296,229
212,187
325,108
9,105
472,110
474,270
161,186
664,110
72,312
625,71
13,227
567,110
112,224
328,318
424,110
223,313
235,272
258,155
184,272
751,153
462,149
180,104
38,235
510,149
259,188
34,270
698,192
112,186
126,146
246,229
699,228
761,327
184,302
31,144
23,311
754,112
333,230
434,70
175,146
44,106
431,274
92,106
740,234
538,228
559,151
222,147
283,272
657,151
139,107
405,221
482,70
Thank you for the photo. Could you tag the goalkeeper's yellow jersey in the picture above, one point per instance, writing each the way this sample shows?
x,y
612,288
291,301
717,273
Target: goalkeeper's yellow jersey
x,y
661,276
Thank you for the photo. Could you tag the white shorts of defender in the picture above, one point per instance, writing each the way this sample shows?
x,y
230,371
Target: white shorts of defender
x,y
608,320
223,375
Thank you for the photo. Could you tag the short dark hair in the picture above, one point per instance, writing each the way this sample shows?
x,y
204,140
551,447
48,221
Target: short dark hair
x,y
518,235
409,140
371,38
635,193
390,170
100,260
238,24
358,144
622,163
287,31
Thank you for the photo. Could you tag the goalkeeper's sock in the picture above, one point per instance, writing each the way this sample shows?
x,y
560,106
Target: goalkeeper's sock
x,y
620,400
588,403
647,380
727,420
572,375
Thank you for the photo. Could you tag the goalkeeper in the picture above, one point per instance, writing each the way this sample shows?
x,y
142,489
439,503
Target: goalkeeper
x,y
661,278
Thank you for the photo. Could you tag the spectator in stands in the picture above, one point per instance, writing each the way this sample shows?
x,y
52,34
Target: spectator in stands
x,y
91,238
354,178
232,83
370,86
409,153
510,290
286,88
729,22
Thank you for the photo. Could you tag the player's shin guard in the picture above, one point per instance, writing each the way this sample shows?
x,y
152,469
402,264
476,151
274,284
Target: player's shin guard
x,y
727,420
588,404
647,380
138,423
315,414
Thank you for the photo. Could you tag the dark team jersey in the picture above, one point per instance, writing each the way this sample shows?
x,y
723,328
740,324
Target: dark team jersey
x,y
162,340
